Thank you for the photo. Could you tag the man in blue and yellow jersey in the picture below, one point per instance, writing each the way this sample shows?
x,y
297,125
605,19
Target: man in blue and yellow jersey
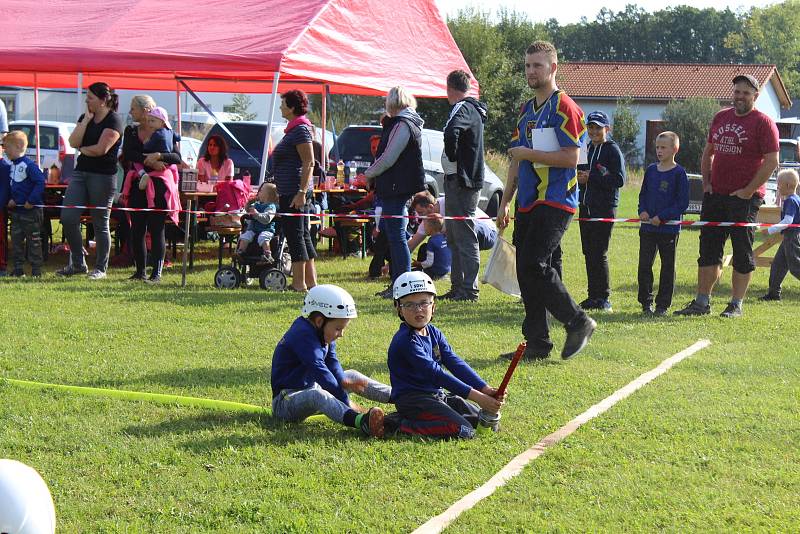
x,y
544,156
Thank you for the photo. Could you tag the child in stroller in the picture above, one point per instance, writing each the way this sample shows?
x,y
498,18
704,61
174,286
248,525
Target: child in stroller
x,y
254,256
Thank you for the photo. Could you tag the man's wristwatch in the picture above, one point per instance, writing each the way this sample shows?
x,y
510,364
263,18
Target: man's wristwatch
x,y
301,192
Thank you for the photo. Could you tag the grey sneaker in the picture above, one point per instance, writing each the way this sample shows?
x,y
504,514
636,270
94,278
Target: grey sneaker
x,y
693,308
578,337
69,270
731,310
97,274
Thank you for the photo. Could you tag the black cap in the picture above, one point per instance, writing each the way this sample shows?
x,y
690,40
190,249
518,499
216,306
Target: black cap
x,y
747,78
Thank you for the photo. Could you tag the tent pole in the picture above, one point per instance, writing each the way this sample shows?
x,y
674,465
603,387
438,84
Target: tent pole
x,y
268,137
325,91
78,95
36,118
178,102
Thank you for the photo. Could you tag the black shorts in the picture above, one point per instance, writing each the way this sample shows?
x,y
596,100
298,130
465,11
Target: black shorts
x,y
727,208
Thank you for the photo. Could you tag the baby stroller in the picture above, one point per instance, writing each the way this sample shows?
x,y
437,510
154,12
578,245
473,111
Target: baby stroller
x,y
251,265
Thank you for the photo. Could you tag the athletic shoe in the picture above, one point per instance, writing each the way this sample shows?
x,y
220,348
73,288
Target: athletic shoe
x,y
647,310
385,294
660,312
530,354
137,277
464,298
694,308
36,273
372,423
768,297
578,337
731,310
452,294
596,304
18,273
587,304
97,274
69,270
153,280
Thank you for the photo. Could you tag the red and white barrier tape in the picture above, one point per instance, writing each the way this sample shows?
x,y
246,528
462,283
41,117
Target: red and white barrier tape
x,y
449,217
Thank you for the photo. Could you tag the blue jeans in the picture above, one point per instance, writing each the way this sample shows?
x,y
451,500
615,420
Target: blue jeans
x,y
295,405
96,190
399,255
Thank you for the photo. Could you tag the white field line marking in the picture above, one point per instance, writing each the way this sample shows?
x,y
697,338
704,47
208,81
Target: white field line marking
x,y
515,466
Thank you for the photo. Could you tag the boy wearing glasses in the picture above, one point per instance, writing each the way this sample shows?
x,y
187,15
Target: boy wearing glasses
x,y
422,365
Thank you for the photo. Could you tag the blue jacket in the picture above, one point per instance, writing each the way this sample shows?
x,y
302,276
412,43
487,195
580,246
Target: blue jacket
x,y
600,195
301,359
665,195
420,364
5,182
27,182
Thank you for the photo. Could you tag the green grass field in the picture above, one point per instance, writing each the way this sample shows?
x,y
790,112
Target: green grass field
x,y
710,446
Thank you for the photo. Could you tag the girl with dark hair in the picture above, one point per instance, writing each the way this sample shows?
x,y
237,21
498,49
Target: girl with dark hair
x,y
215,165
97,138
292,166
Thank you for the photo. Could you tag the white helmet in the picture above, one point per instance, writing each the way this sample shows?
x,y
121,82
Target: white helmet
x,y
331,301
412,282
26,506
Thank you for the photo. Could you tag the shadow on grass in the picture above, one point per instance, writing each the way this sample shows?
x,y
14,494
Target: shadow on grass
x,y
193,377
272,431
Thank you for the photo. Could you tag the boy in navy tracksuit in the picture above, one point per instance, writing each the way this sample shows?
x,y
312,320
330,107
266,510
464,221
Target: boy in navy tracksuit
x,y
787,259
27,191
664,197
438,256
307,377
599,181
5,190
419,360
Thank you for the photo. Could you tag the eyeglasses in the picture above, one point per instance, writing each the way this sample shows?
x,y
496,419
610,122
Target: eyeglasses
x,y
416,305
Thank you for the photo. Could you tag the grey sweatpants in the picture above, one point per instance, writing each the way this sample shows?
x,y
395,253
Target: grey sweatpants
x,y
787,260
461,236
88,188
294,405
26,238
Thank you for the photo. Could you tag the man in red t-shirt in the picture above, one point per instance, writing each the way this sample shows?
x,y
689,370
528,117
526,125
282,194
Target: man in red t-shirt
x,y
740,155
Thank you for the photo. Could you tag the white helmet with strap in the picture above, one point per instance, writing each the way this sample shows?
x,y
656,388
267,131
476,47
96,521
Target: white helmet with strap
x,y
412,282
26,506
331,301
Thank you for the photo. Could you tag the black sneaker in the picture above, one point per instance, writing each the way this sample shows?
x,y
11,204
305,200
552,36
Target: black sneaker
x,y
36,273
660,312
69,270
768,297
137,277
464,298
18,273
731,310
385,294
372,423
693,308
647,310
530,354
587,304
578,337
449,295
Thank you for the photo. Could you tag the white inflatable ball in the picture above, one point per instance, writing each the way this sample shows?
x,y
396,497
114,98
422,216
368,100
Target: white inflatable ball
x,y
26,506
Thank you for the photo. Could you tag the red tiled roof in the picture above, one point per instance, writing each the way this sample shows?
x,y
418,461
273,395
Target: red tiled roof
x,y
660,81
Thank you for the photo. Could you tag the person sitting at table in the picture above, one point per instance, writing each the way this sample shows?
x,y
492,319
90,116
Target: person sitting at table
x,y
133,154
214,165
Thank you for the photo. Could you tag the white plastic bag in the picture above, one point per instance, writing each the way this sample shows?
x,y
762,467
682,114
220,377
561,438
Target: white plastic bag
x,y
501,270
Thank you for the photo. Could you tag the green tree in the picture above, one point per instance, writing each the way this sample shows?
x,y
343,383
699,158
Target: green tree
x,y
240,107
625,126
772,35
690,119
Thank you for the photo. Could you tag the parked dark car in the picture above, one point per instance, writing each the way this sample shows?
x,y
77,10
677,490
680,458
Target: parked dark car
x,y
353,148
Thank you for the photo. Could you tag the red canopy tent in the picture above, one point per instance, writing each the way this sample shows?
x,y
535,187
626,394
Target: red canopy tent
x,y
362,47
353,46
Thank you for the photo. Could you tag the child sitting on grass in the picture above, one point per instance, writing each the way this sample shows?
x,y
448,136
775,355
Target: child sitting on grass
x,y
307,377
419,360
664,197
438,257
787,259
26,192
261,225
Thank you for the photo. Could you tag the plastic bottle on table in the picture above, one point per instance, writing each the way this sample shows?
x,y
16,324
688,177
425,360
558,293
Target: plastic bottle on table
x,y
340,173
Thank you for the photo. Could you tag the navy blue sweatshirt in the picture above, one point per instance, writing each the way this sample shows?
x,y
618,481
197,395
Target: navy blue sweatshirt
x,y
417,365
301,358
5,182
27,182
600,195
664,195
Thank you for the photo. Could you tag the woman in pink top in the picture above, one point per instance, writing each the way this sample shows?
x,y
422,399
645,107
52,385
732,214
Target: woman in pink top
x,y
215,165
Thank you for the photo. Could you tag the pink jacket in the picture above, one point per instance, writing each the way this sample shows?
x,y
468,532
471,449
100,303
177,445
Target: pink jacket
x,y
170,178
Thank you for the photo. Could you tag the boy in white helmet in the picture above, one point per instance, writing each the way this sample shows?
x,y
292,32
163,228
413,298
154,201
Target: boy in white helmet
x,y
307,377
419,361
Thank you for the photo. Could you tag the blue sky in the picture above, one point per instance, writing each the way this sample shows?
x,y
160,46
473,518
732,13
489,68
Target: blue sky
x,y
573,11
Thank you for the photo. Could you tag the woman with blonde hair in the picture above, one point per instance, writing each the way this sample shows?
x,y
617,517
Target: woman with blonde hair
x,y
398,174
